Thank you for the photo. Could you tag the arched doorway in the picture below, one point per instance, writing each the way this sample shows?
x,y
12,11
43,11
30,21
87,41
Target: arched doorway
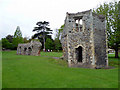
x,y
79,56
25,49
29,50
20,50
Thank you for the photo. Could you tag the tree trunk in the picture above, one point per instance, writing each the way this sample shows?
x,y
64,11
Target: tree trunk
x,y
116,53
44,39
43,43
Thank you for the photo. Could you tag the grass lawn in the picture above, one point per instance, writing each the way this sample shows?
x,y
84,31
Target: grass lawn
x,y
0,78
20,71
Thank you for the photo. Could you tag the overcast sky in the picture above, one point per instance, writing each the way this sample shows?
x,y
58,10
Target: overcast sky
x,y
25,13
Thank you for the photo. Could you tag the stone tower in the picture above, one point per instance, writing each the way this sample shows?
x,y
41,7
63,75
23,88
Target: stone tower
x,y
84,40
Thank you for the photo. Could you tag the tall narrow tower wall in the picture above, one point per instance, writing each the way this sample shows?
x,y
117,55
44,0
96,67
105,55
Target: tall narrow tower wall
x,y
99,36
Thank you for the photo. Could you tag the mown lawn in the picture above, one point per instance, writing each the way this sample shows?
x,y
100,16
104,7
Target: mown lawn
x,y
20,71
0,78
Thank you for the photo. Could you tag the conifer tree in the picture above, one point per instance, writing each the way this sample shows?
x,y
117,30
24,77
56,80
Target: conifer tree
x,y
17,37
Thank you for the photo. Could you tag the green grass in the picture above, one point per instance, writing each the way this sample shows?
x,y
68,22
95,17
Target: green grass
x,y
113,61
20,71
0,70
52,54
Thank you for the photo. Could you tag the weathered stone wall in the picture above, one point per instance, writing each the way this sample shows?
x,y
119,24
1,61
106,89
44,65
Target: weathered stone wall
x,y
100,40
86,36
32,48
65,49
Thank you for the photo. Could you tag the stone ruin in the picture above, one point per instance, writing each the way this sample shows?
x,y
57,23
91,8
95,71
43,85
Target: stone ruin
x,y
32,48
84,40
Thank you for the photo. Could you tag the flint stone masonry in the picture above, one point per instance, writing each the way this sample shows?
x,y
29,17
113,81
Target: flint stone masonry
x,y
32,48
84,40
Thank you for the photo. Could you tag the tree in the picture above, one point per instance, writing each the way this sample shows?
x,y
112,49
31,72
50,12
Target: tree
x,y
57,42
42,31
49,44
60,31
9,38
17,37
25,40
6,44
58,45
18,33
111,12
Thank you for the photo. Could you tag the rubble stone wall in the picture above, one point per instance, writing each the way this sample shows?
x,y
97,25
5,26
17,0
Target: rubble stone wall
x,y
100,40
32,48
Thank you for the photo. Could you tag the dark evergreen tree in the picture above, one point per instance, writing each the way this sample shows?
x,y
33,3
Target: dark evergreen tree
x,y
42,32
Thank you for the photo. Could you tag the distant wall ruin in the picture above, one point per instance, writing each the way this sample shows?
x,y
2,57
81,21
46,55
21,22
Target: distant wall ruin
x,y
32,48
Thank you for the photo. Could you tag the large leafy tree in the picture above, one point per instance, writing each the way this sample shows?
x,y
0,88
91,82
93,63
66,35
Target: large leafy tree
x,y
42,31
57,42
6,44
49,44
9,38
17,37
111,12
9,44
58,45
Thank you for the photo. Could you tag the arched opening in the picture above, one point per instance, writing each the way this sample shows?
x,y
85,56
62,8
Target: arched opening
x,y
29,50
79,54
20,50
25,49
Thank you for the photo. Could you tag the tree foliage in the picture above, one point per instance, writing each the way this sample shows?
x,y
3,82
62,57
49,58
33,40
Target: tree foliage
x,y
6,44
42,31
57,42
25,40
49,44
18,33
60,30
58,45
111,13
9,38
17,37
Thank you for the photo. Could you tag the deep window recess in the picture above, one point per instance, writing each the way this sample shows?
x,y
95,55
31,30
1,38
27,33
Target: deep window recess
x,y
78,24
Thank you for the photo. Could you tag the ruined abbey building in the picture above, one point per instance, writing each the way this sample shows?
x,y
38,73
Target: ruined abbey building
x,y
84,40
32,48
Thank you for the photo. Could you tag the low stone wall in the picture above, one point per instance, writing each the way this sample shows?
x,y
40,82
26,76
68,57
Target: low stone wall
x,y
32,48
